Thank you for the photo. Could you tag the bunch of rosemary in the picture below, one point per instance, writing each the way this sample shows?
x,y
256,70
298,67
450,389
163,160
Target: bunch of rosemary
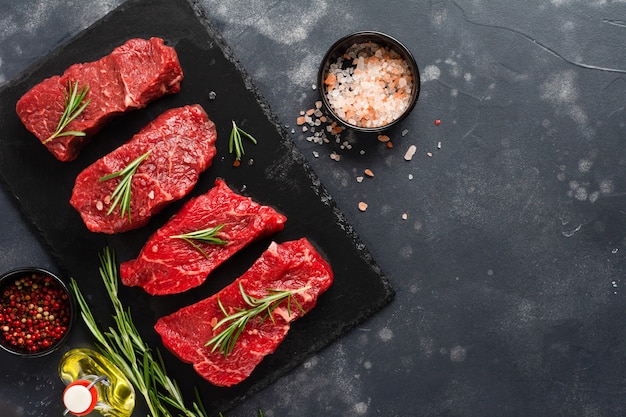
x,y
125,348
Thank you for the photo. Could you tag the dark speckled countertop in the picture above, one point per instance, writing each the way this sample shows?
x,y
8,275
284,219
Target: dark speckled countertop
x,y
503,236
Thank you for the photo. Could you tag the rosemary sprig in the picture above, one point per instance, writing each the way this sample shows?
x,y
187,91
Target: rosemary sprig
x,y
225,340
121,194
208,235
74,102
235,142
125,348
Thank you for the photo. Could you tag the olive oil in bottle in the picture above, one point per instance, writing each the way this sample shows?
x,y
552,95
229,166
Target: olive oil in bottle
x,y
94,383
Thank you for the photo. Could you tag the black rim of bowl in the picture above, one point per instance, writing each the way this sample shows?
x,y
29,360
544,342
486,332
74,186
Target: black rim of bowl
x,y
9,277
341,45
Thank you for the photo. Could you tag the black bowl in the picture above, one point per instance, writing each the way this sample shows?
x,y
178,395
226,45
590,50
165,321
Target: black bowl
x,y
339,48
44,305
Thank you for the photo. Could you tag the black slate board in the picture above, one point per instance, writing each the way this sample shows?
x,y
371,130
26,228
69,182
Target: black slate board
x,y
273,172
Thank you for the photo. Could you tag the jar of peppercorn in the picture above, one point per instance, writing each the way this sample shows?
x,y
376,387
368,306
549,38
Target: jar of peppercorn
x,y
36,311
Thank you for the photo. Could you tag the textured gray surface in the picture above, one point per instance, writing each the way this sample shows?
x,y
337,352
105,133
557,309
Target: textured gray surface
x,y
509,264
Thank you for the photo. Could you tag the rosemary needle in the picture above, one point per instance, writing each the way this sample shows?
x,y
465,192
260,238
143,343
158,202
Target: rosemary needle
x,y
208,235
74,102
225,340
235,142
121,194
124,347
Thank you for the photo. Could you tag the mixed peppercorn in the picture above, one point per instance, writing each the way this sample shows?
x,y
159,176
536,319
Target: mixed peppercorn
x,y
34,313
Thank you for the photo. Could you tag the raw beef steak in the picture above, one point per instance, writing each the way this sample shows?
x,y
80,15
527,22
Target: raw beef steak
x,y
181,142
289,266
169,265
131,76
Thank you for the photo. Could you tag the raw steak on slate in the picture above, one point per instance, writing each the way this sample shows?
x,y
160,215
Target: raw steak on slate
x,y
181,142
288,266
167,265
131,76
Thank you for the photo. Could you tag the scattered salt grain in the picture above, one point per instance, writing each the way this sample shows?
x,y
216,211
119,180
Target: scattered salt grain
x,y
405,132
316,154
405,216
319,125
410,152
410,176
429,154
212,95
335,157
359,178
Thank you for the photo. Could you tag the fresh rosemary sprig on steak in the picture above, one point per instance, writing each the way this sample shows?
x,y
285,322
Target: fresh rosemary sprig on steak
x,y
74,102
235,142
225,340
121,194
208,235
125,348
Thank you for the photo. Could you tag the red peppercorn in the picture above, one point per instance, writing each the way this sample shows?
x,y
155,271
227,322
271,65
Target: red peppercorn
x,y
34,313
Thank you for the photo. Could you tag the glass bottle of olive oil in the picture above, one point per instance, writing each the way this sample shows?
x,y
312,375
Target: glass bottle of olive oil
x,y
94,383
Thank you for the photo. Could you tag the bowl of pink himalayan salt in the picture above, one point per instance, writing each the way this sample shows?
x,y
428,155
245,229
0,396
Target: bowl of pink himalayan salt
x,y
368,81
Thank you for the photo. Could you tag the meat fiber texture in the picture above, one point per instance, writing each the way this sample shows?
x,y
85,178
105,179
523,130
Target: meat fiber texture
x,y
181,142
131,76
288,266
168,265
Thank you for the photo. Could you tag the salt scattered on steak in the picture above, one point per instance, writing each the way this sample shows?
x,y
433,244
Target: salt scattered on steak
x,y
181,142
131,76
288,266
168,265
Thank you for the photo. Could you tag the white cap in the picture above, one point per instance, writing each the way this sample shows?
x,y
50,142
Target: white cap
x,y
78,399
